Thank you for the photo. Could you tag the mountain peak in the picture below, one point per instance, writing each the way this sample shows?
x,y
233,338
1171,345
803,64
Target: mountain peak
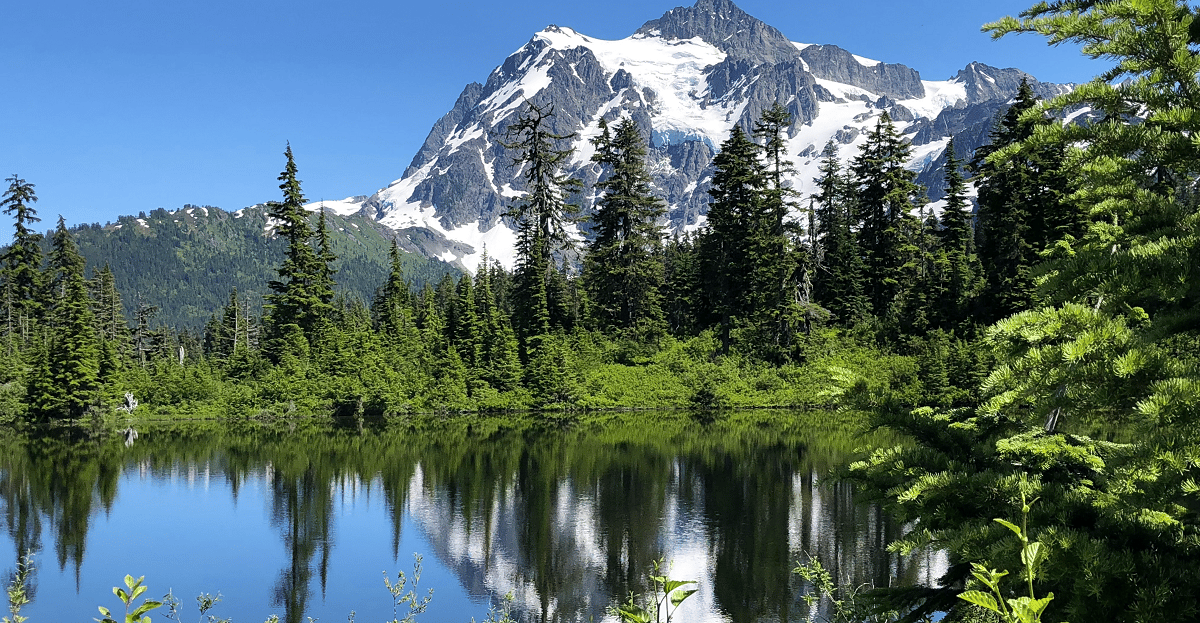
x,y
986,83
726,26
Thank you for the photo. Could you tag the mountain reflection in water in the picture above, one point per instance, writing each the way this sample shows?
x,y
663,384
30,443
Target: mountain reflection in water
x,y
565,517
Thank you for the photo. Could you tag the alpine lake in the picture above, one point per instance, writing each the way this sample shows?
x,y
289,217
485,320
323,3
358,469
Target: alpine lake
x,y
565,514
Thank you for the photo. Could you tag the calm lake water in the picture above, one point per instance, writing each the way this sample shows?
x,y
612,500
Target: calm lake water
x,y
303,519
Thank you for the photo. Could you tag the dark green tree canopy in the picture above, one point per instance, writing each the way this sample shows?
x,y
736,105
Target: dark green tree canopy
x,y
623,269
303,293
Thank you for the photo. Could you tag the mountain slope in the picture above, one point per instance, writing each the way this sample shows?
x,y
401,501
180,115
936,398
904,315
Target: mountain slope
x,y
187,261
686,78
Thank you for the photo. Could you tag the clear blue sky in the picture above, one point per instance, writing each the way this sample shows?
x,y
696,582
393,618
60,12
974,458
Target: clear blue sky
x,y
116,107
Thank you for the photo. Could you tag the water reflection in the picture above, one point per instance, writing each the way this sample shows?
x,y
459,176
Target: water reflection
x,y
566,519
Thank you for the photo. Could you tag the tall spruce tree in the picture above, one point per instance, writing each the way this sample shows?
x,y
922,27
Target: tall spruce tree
x,y
887,194
391,308
107,309
468,329
500,364
957,265
682,286
67,381
303,293
1023,207
775,264
324,285
540,216
838,282
623,268
111,328
734,214
231,333
22,261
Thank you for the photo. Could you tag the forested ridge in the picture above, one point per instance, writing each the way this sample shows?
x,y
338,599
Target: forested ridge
x,y
1067,301
185,261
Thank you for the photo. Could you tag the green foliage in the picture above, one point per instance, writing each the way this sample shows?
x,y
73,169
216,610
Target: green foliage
x,y
660,603
848,604
886,194
726,262
18,589
1024,609
540,218
302,295
1113,344
204,603
20,264
623,268
415,604
956,274
1024,206
501,614
66,377
839,268
134,613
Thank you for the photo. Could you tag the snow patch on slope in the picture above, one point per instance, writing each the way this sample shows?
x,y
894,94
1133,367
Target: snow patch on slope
x,y
401,212
342,207
866,62
924,155
939,95
673,69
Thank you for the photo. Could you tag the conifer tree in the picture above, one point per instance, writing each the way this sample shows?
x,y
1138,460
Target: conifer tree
x,y
623,268
391,304
440,360
303,293
468,329
324,284
1023,207
733,214
838,283
1113,343
68,379
22,261
501,365
773,281
958,266
540,216
107,309
885,198
920,282
111,328
682,286
233,332
143,336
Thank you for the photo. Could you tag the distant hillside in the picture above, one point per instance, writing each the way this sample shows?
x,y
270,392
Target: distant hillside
x,y
187,261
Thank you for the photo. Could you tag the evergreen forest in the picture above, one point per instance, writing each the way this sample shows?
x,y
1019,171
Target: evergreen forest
x,y
1037,343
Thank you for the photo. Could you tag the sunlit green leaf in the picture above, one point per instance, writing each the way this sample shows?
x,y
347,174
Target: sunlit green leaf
x,y
1010,525
980,598
678,596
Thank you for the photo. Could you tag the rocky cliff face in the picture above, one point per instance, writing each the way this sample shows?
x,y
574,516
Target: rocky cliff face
x,y
721,24
686,79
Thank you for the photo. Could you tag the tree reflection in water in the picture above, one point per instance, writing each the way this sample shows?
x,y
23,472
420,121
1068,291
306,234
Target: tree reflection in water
x,y
567,519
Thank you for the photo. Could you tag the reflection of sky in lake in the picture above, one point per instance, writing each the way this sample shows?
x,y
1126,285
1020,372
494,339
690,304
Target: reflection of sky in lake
x,y
189,534
556,541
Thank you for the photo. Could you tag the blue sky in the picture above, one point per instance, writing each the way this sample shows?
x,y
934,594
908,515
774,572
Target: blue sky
x,y
116,107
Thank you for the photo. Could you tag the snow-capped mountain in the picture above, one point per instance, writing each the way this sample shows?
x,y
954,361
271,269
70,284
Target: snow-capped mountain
x,y
685,78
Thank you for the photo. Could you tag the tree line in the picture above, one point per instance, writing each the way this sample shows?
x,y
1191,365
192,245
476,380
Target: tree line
x,y
867,261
